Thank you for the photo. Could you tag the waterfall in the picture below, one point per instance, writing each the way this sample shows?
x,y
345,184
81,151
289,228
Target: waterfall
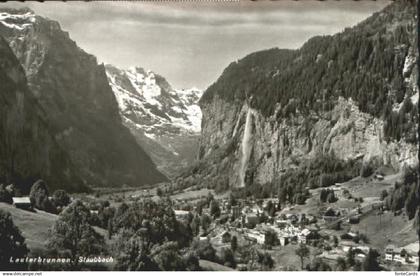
x,y
246,146
235,130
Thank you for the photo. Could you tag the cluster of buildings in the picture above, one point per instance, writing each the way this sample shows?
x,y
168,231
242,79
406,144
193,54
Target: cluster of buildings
x,y
181,215
252,220
399,255
287,228
285,235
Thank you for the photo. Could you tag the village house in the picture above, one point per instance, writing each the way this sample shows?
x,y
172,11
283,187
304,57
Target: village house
x,y
400,255
303,236
331,215
181,215
290,233
246,210
257,210
292,218
252,219
349,236
378,206
389,253
236,212
364,249
379,176
354,219
412,258
311,218
347,244
284,241
360,257
281,223
258,236
274,201
336,189
22,203
302,218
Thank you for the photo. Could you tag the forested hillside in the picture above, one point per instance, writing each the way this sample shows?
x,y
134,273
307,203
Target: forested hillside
x,y
368,63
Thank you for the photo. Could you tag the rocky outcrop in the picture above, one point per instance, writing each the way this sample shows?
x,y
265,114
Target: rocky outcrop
x,y
28,150
79,104
268,147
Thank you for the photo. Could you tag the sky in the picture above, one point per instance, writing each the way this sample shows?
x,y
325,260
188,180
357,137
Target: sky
x,y
191,42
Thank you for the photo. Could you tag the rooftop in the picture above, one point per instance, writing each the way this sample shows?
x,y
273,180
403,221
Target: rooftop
x,y
180,212
21,200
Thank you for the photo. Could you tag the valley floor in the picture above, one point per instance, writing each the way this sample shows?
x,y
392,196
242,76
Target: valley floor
x,y
381,229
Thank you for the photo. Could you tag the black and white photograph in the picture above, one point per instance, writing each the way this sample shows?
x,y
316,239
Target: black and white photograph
x,y
209,136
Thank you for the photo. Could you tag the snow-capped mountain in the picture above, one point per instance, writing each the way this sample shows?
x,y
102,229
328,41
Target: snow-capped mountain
x,y
165,121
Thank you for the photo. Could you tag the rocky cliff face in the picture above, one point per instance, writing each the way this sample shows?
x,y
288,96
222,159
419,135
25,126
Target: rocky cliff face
x,y
28,151
80,106
249,140
266,147
165,121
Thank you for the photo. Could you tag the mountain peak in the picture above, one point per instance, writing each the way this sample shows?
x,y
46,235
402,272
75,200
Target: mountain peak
x,y
165,121
148,97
